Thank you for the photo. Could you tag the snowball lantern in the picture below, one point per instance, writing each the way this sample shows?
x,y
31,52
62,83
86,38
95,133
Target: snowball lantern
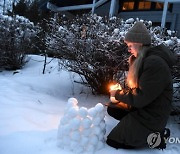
x,y
81,127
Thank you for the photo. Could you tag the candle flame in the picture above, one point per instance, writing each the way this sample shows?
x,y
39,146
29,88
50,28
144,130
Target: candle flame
x,y
116,87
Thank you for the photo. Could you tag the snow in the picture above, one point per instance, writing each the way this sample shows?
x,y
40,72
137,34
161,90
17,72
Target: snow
x,y
32,105
129,21
116,30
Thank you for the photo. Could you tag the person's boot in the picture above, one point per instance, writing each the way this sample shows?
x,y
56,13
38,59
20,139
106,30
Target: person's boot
x,y
165,134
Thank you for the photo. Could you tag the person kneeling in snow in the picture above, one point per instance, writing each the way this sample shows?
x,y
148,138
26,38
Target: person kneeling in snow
x,y
150,94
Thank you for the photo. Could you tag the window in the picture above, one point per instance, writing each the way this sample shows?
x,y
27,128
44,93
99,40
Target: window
x,y
144,5
159,6
128,6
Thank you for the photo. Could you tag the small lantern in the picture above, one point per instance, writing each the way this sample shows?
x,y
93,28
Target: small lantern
x,y
117,86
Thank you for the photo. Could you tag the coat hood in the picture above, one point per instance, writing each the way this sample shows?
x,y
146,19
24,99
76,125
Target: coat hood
x,y
163,52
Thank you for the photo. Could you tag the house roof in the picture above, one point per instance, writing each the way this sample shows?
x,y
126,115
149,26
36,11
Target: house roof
x,y
67,5
63,3
43,4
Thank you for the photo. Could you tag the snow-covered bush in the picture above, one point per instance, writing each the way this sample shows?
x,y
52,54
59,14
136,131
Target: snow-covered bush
x,y
15,39
93,46
90,46
82,130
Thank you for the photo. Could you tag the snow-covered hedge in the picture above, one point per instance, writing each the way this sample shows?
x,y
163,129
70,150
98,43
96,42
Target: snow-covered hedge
x,y
89,46
93,46
16,40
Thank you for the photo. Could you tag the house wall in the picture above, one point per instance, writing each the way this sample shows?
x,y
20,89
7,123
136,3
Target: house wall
x,y
154,16
105,8
176,14
172,18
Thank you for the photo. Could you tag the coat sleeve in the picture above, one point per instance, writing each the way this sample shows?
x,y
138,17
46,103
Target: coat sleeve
x,y
152,83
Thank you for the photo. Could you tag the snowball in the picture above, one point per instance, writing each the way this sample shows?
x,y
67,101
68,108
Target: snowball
x,y
86,123
96,121
96,130
86,132
75,123
84,141
83,112
75,135
101,136
101,115
72,102
99,107
100,145
93,140
73,112
90,148
66,140
102,125
66,129
92,112
64,120
73,145
79,149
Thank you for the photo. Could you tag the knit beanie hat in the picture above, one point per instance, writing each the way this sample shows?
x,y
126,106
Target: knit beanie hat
x,y
138,34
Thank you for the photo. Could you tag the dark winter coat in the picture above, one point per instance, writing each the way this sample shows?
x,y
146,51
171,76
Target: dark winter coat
x,y
152,99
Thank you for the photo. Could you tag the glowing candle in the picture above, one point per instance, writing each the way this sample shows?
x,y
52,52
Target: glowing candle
x,y
116,87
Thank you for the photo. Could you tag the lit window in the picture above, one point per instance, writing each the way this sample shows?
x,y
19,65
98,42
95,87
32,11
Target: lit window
x,y
128,6
144,5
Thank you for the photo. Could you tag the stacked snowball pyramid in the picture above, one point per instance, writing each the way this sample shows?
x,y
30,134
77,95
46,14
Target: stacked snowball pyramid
x,y
82,130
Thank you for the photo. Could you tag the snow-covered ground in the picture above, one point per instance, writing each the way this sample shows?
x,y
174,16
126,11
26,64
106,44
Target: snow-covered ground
x,y
33,103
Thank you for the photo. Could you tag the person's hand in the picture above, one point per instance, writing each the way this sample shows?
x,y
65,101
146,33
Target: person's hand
x,y
113,100
113,90
112,93
112,96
